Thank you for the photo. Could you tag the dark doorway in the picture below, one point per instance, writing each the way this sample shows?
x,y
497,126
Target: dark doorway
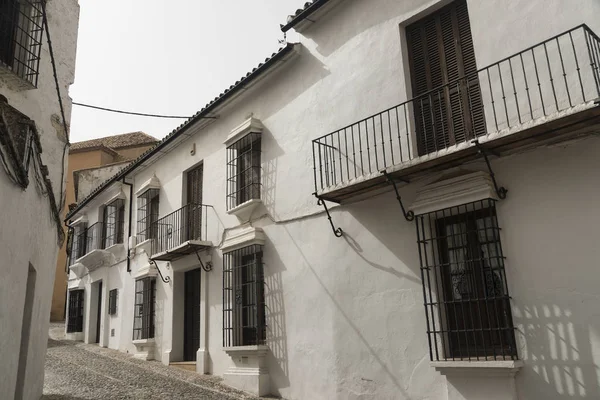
x,y
99,313
191,323
194,200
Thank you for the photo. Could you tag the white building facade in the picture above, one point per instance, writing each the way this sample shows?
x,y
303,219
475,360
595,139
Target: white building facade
x,y
33,145
402,205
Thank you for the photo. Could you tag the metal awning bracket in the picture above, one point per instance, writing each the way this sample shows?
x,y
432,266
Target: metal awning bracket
x,y
207,267
164,279
408,215
320,202
500,191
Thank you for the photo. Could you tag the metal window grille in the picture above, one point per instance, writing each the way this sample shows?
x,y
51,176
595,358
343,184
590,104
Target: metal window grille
x,y
114,223
78,242
21,37
93,238
75,315
148,203
244,321
143,318
243,170
112,302
467,305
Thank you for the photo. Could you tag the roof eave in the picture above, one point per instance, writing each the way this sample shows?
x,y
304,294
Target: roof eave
x,y
298,20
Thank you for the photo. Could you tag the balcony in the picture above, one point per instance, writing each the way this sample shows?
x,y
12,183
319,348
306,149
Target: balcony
x,y
179,233
95,247
546,93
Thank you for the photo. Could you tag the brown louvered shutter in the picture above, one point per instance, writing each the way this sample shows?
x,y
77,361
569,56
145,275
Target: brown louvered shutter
x,y
193,212
447,103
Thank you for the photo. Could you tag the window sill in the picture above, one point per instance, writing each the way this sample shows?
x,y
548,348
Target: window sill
x,y
14,81
479,368
258,350
149,341
244,210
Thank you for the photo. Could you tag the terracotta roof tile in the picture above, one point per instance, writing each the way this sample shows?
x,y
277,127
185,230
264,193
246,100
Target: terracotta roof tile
x,y
116,141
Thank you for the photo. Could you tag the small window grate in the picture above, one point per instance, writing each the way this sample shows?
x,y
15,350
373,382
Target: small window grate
x,y
467,305
112,302
147,215
75,315
244,321
143,314
21,28
243,170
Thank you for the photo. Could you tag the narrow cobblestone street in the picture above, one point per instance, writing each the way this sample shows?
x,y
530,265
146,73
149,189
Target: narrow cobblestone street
x,y
75,370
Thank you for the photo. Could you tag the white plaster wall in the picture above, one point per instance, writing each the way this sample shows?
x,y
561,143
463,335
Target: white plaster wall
x,y
27,233
345,315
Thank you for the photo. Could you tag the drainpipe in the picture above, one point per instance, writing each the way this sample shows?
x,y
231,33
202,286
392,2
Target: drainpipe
x,y
129,229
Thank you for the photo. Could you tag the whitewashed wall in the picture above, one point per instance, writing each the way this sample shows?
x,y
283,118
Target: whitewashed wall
x,y
28,234
345,315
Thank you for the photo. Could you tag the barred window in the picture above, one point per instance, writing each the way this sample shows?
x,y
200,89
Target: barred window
x,y
244,320
78,242
21,37
243,170
112,302
148,215
467,304
75,314
143,315
114,223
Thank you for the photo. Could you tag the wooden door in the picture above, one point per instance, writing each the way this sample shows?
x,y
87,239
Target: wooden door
x,y
193,213
447,102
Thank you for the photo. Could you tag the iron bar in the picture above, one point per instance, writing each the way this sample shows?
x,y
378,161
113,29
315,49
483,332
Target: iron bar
x,y
408,215
500,191
336,231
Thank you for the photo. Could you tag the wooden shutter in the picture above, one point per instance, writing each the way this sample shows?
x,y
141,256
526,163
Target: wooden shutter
x,y
447,103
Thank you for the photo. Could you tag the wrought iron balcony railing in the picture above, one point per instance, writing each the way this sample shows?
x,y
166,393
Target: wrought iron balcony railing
x,y
173,233
88,240
527,88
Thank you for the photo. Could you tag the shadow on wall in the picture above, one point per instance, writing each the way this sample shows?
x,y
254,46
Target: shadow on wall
x,y
269,170
348,25
276,325
558,345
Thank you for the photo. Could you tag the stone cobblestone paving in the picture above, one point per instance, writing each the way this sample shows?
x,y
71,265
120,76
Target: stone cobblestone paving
x,y
75,371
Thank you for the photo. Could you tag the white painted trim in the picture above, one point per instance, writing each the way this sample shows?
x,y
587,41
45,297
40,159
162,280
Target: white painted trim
x,y
118,196
81,220
244,210
251,125
479,368
239,238
152,183
147,271
456,190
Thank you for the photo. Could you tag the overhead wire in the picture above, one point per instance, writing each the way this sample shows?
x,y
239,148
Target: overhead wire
x,y
129,112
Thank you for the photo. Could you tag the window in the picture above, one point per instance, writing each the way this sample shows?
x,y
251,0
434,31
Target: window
x,y
243,170
143,316
113,223
75,316
148,215
243,297
21,37
112,302
466,294
78,242
447,99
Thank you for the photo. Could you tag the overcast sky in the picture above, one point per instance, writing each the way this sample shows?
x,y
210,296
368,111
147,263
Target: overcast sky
x,y
166,57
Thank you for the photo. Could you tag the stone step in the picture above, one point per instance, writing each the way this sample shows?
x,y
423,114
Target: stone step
x,y
186,365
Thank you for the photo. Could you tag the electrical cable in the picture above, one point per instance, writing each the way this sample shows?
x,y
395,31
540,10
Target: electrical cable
x,y
129,112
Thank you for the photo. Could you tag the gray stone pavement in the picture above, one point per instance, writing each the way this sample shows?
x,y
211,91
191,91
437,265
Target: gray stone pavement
x,y
75,371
